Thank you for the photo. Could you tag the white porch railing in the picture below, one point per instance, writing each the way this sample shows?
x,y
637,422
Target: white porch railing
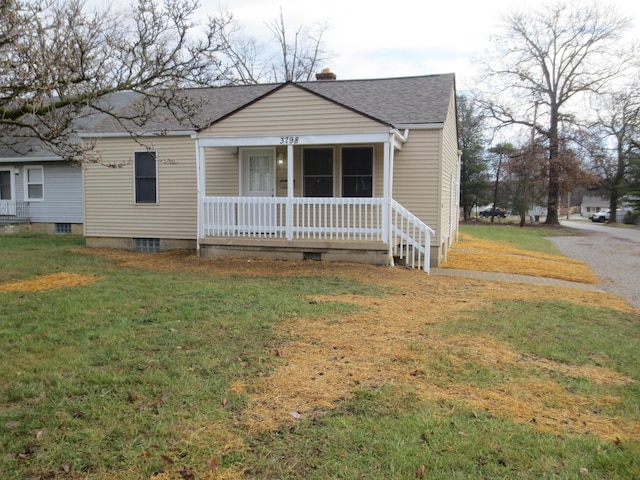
x,y
410,238
307,218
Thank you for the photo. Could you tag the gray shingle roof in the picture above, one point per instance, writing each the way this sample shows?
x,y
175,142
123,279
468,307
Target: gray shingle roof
x,y
396,101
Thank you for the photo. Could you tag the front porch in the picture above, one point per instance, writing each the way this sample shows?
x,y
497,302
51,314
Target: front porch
x,y
366,230
325,196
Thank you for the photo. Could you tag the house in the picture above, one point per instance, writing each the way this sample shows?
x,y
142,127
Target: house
x,y
39,192
591,205
357,170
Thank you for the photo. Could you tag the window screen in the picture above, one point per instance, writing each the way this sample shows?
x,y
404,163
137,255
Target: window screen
x,y
146,177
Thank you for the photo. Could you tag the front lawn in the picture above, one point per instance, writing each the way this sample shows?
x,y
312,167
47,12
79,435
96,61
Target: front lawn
x,y
131,366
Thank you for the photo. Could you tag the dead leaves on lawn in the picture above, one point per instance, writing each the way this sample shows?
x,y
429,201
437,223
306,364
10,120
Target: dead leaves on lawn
x,y
48,282
487,256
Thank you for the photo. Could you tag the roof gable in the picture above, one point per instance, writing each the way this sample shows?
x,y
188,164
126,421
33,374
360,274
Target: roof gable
x,y
292,109
389,101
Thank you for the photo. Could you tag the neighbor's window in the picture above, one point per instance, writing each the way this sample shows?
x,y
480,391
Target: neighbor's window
x,y
34,183
357,172
146,177
318,172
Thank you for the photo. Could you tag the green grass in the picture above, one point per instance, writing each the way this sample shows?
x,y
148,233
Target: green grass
x,y
390,434
532,238
109,379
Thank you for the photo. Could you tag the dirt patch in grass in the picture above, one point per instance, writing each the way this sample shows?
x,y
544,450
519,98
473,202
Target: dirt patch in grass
x,y
48,282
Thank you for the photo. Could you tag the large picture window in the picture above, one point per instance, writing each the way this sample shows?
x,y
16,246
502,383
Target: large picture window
x,y
146,177
34,183
318,172
357,172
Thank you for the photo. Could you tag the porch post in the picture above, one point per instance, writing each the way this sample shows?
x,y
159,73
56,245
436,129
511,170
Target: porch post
x,y
386,209
200,180
289,214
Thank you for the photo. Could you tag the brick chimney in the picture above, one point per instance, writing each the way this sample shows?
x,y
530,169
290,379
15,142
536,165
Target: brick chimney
x,y
326,75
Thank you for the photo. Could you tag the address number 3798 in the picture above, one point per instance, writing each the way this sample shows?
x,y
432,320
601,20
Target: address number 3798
x,y
289,140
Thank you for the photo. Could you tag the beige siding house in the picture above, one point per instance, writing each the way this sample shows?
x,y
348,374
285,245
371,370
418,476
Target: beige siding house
x,y
356,170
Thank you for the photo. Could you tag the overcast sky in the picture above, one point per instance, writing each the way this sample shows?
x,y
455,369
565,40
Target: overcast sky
x,y
376,39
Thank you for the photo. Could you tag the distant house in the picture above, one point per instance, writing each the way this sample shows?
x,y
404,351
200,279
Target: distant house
x,y
356,170
39,192
592,204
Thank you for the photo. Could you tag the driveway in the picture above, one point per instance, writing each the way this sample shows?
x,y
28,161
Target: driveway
x,y
612,252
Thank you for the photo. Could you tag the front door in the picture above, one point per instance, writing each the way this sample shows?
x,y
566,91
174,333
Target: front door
x,y
258,173
7,189
258,180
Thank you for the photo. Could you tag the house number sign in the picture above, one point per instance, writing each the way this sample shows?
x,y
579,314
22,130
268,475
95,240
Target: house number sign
x,y
289,140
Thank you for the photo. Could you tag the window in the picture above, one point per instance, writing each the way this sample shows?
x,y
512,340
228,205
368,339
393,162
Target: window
x,y
63,228
146,178
357,172
318,172
146,245
34,183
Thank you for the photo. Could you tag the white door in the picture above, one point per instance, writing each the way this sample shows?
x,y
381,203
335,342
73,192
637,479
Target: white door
x,y
258,173
258,180
7,189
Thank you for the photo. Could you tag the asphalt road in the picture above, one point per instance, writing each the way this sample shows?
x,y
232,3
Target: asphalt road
x,y
612,252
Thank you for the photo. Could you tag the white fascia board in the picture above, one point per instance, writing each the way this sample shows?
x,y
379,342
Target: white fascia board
x,y
291,139
29,159
172,133
421,126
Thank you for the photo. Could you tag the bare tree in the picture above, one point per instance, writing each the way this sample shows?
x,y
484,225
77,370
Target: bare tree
x,y
60,62
502,153
615,150
290,57
549,57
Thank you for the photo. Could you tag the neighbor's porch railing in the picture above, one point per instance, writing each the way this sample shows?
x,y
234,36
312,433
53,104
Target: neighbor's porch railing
x,y
10,210
306,218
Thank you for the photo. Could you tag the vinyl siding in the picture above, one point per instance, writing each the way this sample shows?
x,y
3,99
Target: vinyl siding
x,y
292,111
62,202
110,208
62,195
449,173
415,178
222,173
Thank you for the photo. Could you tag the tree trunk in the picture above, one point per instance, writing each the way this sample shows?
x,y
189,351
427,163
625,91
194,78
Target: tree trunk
x,y
555,170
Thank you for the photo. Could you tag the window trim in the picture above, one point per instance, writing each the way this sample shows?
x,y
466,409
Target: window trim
x,y
12,183
135,177
27,197
333,169
373,168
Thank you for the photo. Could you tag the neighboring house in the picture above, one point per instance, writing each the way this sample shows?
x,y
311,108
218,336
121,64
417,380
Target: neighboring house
x,y
356,170
39,192
591,205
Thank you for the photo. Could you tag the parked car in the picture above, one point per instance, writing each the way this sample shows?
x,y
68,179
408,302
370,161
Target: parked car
x,y
600,216
490,212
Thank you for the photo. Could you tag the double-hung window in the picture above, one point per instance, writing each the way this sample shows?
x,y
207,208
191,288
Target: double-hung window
x,y
34,183
318,172
357,172
146,177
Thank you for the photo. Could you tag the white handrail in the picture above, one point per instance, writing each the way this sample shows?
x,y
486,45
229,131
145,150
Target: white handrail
x,y
410,237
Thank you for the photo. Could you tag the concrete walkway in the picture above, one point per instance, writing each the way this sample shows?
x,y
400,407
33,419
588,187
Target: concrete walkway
x,y
513,278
